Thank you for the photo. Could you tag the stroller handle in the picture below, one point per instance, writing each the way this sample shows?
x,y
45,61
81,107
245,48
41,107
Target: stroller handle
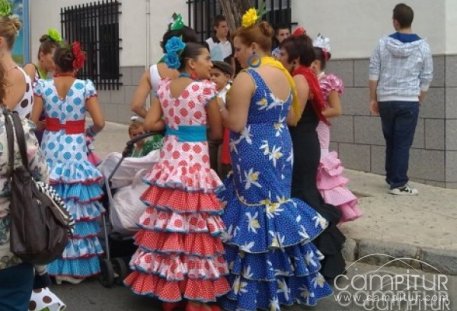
x,y
129,145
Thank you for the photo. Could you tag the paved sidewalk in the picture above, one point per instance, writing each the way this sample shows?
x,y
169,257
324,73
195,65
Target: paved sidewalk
x,y
423,227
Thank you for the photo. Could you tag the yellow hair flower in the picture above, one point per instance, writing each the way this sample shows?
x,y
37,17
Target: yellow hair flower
x,y
249,18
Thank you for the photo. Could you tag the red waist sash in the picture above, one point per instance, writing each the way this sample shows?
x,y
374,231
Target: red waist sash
x,y
70,127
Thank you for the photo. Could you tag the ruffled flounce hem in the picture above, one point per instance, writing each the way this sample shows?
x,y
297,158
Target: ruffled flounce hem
x,y
178,267
252,295
262,227
180,201
79,192
295,261
78,268
82,248
197,244
85,229
73,172
85,211
193,178
347,204
329,172
165,221
191,289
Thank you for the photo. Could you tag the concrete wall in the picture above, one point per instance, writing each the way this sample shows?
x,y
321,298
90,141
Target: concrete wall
x,y
142,24
357,135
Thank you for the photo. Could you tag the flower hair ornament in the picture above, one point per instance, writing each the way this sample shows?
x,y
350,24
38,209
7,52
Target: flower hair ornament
x,y
78,54
6,8
299,31
54,35
324,43
174,48
252,16
176,22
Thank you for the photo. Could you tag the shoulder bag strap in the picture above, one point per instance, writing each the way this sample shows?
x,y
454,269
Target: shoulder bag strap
x,y
20,138
10,138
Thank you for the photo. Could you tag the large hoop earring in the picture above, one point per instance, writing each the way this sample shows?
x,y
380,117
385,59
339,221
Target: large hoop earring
x,y
254,60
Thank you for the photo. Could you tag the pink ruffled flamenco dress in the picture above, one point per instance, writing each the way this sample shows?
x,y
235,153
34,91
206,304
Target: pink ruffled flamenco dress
x,y
330,180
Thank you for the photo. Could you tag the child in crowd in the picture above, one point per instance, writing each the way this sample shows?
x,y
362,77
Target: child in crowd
x,y
144,146
330,181
221,75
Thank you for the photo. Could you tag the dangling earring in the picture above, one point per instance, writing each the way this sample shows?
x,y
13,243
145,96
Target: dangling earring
x,y
254,60
193,74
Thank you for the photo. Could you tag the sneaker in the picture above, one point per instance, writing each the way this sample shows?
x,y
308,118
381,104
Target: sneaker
x,y
405,190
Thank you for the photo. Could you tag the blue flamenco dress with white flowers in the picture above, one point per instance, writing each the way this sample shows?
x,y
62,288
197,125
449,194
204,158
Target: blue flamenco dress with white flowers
x,y
73,177
268,245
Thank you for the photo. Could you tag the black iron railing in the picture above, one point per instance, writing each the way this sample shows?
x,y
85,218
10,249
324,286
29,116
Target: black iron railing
x,y
201,14
96,26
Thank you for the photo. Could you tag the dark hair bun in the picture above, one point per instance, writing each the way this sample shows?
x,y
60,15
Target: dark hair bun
x,y
44,38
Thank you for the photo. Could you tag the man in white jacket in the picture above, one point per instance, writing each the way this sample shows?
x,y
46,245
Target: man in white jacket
x,y
400,73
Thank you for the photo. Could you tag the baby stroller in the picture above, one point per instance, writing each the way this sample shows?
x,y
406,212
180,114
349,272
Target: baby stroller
x,y
118,235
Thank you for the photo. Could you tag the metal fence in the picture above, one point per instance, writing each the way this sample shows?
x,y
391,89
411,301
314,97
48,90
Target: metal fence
x,y
96,26
202,12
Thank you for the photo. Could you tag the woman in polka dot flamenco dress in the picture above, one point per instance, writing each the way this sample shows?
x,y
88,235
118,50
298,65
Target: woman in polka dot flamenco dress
x,y
65,101
180,254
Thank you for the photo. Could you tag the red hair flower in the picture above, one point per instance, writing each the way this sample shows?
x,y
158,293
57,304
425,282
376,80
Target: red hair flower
x,y
78,54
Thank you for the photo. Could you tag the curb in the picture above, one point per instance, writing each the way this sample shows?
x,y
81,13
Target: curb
x,y
377,252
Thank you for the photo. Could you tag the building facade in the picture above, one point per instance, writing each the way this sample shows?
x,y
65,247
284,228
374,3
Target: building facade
x,y
353,27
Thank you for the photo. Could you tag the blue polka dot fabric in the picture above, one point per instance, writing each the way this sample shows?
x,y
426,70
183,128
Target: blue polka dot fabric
x,y
268,239
73,177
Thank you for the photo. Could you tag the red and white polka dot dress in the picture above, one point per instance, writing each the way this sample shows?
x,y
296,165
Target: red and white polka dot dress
x,y
180,254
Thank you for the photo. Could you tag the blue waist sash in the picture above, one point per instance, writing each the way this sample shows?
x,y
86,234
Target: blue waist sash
x,y
188,133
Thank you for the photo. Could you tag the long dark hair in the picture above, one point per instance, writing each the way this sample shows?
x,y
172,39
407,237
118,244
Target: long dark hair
x,y
300,47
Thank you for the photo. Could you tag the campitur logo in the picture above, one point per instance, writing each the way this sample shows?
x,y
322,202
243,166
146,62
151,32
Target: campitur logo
x,y
384,290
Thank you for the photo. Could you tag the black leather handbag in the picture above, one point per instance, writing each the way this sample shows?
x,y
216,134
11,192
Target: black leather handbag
x,y
40,222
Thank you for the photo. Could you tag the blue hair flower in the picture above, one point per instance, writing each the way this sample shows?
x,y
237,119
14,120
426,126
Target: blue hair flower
x,y
172,60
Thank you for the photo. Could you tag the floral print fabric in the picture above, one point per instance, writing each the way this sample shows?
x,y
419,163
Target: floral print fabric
x,y
268,249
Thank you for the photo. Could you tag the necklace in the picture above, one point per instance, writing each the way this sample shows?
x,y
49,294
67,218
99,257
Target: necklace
x,y
184,75
64,74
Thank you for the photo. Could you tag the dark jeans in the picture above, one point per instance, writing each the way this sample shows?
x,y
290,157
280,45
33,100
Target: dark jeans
x,y
16,287
399,120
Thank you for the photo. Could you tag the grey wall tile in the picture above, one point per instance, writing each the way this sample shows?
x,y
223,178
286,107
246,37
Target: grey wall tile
x,y
427,164
419,135
451,166
361,72
342,129
333,146
433,106
434,134
378,157
451,135
439,71
118,96
126,75
129,90
451,103
451,185
137,72
343,69
104,98
355,157
124,113
355,101
435,183
451,70
368,130
111,112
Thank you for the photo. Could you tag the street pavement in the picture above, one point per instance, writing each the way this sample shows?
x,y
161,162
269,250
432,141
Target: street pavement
x,y
416,233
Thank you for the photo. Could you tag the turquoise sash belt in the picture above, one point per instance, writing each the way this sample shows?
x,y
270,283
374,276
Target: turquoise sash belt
x,y
188,133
